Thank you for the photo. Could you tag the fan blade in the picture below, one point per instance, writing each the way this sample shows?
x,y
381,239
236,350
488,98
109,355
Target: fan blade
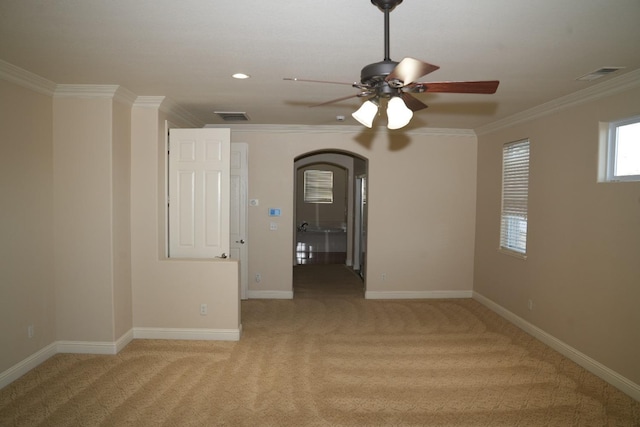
x,y
335,100
295,79
488,87
409,70
412,103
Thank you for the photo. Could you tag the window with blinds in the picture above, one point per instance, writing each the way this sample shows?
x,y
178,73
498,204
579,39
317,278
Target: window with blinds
x,y
515,194
318,186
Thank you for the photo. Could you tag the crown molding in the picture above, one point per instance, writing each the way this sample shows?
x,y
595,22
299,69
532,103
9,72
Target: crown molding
x,y
85,91
610,87
170,107
26,79
125,96
346,129
167,106
114,92
149,101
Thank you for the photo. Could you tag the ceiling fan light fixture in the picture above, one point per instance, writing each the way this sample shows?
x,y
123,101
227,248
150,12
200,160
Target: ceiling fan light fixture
x,y
366,113
397,113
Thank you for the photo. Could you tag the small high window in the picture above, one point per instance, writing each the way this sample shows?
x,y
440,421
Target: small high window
x,y
515,195
318,186
623,150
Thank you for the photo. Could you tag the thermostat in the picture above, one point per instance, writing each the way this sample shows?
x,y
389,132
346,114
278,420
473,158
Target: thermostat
x,y
274,212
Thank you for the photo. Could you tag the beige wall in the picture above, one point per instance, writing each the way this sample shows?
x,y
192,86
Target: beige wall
x,y
121,207
26,253
91,140
167,293
583,271
421,206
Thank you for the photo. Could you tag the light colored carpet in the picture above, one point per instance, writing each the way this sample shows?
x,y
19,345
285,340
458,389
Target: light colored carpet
x,y
327,359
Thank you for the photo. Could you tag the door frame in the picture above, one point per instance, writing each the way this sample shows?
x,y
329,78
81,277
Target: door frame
x,y
243,219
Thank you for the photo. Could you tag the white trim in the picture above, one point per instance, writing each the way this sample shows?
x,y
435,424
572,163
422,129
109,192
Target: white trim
x,y
270,294
114,92
172,109
24,366
306,129
417,294
26,79
188,334
615,379
125,96
610,87
169,107
148,101
85,91
124,340
105,347
86,347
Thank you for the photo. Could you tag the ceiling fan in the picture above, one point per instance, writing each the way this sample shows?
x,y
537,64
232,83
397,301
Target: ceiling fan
x,y
396,81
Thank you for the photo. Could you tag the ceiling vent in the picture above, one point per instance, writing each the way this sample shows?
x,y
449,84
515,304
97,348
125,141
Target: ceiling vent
x,y
600,72
232,116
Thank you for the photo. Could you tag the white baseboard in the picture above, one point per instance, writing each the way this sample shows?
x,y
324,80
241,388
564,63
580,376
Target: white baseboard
x,y
86,347
615,379
95,347
125,339
24,366
417,294
105,347
188,334
270,294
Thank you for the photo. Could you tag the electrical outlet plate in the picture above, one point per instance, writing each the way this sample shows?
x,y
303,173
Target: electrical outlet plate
x,y
203,309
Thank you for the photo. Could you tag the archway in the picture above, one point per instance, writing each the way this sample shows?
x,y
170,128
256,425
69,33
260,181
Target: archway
x,y
330,227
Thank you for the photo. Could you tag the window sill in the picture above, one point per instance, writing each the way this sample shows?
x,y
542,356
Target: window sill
x,y
513,254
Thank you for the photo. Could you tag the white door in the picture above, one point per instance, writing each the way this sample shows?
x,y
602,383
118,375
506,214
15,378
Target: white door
x,y
238,221
199,184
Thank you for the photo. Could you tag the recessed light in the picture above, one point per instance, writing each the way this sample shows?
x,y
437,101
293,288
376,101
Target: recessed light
x,y
240,76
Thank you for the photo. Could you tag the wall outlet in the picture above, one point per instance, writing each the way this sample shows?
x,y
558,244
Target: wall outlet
x,y
384,276
30,331
258,278
203,309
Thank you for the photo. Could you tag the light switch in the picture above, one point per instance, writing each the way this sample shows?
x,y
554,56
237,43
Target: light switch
x,y
273,226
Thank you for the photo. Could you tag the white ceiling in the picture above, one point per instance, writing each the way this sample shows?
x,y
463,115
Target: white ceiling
x,y
188,49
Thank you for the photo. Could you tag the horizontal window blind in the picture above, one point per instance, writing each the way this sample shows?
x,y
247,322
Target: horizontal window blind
x,y
515,195
318,186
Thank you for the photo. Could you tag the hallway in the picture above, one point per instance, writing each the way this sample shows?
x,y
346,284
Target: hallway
x,y
326,281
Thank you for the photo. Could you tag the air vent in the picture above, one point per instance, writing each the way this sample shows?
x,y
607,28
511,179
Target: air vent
x,y
601,72
232,116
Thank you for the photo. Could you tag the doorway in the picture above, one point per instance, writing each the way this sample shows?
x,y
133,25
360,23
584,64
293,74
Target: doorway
x,y
330,211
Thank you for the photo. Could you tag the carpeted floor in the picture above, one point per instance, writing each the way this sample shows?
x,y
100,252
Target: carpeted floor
x,y
327,358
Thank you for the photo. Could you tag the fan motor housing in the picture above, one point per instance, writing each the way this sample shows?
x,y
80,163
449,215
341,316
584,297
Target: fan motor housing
x,y
376,72
386,4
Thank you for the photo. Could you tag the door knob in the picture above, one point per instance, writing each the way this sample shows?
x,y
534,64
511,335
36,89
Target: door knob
x,y
241,241
223,256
